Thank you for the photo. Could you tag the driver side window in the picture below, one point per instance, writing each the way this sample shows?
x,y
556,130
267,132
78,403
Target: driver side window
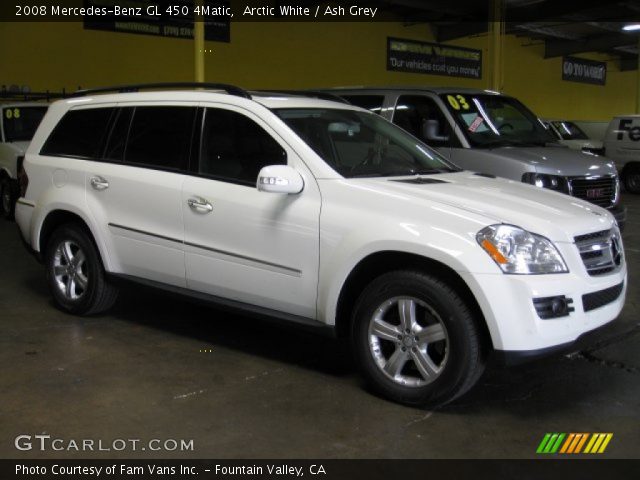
x,y
422,117
235,148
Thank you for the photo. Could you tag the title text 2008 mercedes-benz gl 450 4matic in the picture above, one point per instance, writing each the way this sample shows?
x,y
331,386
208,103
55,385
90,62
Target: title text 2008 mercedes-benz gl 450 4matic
x,y
318,213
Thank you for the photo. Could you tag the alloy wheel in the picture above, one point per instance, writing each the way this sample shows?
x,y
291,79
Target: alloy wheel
x,y
70,270
408,341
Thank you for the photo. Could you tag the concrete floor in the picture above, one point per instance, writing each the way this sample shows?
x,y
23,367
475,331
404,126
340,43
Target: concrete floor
x,y
142,373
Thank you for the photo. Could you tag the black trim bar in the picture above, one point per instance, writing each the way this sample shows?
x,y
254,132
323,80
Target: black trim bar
x,y
210,249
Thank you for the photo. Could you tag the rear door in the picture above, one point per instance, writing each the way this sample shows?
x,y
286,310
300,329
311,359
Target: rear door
x,y
241,244
134,193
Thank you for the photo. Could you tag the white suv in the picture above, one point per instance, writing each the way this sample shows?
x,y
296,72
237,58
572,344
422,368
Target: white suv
x,y
318,213
18,123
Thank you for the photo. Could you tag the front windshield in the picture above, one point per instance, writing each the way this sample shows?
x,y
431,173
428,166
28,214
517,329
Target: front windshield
x,y
362,144
569,131
20,123
496,121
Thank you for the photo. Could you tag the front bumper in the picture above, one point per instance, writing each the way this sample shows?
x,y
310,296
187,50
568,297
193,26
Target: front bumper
x,y
514,323
586,340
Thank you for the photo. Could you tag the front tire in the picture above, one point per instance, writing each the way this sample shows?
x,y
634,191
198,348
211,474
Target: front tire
x,y
415,340
75,273
8,197
631,178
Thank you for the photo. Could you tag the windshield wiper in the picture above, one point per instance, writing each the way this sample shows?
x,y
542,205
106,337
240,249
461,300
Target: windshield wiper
x,y
434,171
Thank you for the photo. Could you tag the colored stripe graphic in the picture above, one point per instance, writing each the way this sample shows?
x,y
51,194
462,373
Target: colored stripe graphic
x,y
573,443
543,443
567,443
581,442
551,443
598,443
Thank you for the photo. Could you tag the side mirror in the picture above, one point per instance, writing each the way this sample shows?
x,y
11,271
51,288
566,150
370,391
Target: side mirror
x,y
279,179
431,131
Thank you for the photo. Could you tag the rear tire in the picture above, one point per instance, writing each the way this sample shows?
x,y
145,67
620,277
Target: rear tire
x,y
75,273
631,178
8,197
415,340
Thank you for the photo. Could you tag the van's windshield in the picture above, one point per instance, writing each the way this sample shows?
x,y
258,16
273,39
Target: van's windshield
x,y
363,144
489,121
569,130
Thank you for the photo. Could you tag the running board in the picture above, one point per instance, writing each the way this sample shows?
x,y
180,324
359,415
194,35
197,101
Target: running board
x,y
234,306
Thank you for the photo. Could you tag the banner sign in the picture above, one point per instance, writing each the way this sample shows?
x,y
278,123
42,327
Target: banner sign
x,y
153,18
433,58
584,71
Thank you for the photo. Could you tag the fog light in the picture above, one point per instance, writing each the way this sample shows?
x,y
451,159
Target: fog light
x,y
553,307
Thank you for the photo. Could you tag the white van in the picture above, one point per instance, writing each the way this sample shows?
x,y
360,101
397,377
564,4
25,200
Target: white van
x,y
568,133
622,145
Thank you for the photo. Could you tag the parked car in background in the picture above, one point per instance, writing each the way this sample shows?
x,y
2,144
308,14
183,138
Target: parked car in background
x,y
319,214
570,134
18,123
622,145
496,134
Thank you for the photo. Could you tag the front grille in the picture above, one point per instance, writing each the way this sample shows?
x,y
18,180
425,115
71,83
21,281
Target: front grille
x,y
601,252
598,299
601,190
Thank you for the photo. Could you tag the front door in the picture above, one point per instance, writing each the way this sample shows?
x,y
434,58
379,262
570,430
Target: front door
x,y
253,247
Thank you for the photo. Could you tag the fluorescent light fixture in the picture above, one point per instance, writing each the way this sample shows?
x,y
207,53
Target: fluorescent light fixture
x,y
632,27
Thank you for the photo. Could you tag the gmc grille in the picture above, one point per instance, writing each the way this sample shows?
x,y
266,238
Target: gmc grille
x,y
601,252
601,191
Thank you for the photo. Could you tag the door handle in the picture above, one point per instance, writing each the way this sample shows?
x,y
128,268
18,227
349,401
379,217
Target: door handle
x,y
99,183
200,205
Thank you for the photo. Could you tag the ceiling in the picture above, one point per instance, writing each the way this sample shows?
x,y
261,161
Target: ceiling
x,y
566,27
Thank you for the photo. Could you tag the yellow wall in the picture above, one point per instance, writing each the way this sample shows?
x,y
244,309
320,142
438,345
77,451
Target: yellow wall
x,y
290,55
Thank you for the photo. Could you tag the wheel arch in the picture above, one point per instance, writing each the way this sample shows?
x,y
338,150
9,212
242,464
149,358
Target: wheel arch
x,y
378,263
56,218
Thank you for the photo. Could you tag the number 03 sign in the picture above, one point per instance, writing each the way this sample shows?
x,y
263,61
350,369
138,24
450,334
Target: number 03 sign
x,y
458,102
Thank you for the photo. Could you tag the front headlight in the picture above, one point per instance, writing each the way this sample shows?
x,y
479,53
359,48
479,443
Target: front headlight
x,y
517,251
542,180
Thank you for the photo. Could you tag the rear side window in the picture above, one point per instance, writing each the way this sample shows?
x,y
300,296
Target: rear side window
x,y
160,137
80,133
235,148
118,136
370,102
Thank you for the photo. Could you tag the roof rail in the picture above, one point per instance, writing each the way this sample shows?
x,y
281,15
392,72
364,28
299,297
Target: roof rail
x,y
314,94
230,89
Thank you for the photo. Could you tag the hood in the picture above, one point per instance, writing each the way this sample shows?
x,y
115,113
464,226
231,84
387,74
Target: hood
x,y
580,144
558,160
554,215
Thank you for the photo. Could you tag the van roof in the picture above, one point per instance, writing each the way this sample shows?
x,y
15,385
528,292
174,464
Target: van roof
x,y
420,88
